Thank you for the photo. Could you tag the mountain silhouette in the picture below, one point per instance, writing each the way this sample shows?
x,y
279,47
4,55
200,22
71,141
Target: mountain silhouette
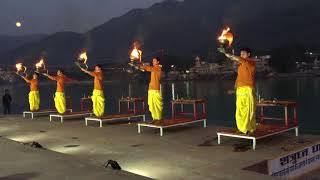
x,y
182,28
8,43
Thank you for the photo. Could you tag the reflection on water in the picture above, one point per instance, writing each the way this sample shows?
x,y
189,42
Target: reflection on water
x,y
220,105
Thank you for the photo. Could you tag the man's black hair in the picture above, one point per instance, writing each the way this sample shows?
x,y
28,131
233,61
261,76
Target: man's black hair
x,y
36,73
99,66
61,70
157,58
248,50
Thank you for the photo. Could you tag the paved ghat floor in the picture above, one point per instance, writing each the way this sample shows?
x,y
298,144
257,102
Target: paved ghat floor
x,y
189,152
20,162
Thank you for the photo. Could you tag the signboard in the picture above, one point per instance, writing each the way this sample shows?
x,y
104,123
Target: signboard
x,y
296,163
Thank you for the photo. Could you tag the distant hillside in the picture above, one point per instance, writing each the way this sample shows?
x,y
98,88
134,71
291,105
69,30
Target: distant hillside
x,y
59,48
11,42
185,29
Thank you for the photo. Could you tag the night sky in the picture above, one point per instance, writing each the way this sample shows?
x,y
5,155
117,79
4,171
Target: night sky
x,y
49,16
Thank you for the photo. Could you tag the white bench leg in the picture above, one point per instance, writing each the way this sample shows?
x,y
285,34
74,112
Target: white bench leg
x,y
219,140
144,117
50,118
205,123
161,131
101,124
24,115
61,120
31,115
254,142
139,129
297,131
86,122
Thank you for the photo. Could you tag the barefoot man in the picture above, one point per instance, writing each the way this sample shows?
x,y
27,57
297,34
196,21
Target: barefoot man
x,y
97,95
245,91
154,97
59,98
34,96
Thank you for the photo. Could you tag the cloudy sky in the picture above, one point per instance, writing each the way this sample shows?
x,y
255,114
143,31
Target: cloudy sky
x,y
49,16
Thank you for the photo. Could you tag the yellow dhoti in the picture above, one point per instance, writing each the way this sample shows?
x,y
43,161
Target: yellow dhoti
x,y
34,100
98,102
246,109
155,104
60,102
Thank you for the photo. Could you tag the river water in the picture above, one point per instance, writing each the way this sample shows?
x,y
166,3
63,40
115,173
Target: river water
x,y
220,105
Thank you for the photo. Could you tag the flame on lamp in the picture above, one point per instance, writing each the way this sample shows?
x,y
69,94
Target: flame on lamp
x,y
20,67
40,64
83,57
136,53
226,35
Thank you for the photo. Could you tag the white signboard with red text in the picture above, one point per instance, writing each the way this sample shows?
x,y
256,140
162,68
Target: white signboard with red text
x,y
296,163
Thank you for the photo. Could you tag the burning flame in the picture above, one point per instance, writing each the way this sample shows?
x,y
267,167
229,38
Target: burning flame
x,y
20,67
226,35
136,54
83,56
40,64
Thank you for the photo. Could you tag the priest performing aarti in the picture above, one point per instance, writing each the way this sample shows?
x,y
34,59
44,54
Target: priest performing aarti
x,y
155,100
59,98
34,95
244,85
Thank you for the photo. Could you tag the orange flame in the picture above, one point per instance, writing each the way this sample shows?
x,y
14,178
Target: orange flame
x,y
226,35
83,56
20,67
40,64
136,54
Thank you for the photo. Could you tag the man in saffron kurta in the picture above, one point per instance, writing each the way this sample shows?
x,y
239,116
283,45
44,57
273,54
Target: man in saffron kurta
x,y
97,97
34,96
245,92
59,98
154,96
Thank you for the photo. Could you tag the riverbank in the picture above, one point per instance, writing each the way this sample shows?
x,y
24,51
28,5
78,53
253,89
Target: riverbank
x,y
189,152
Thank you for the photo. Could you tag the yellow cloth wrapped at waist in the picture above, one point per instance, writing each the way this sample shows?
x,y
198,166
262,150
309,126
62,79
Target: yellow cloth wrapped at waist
x,y
34,100
246,109
98,102
60,102
155,104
